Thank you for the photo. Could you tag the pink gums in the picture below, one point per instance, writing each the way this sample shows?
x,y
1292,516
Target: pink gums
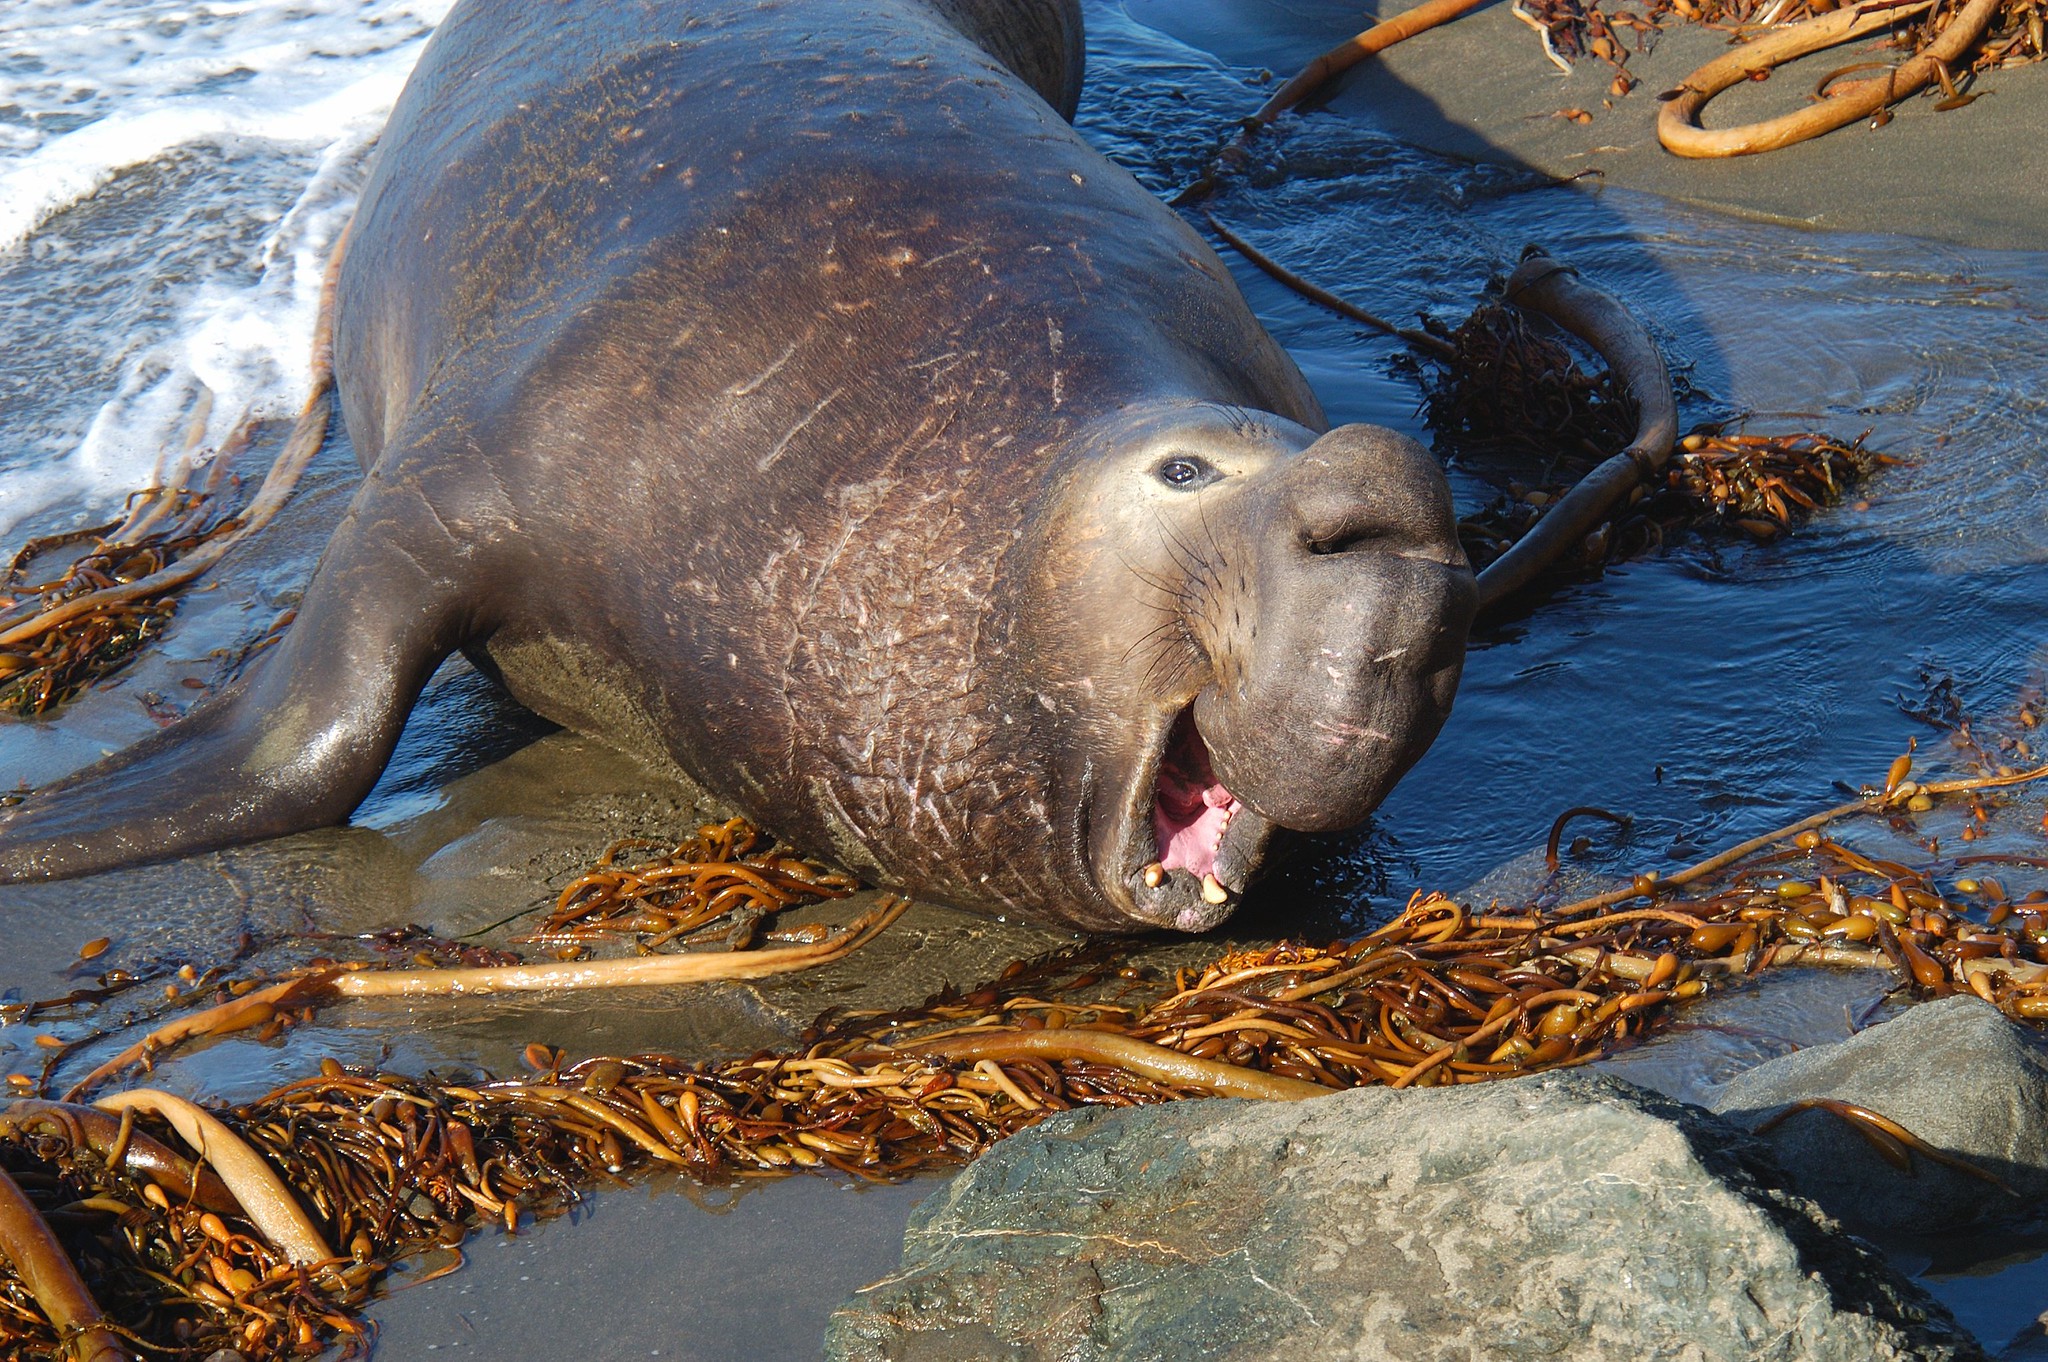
x,y
1190,809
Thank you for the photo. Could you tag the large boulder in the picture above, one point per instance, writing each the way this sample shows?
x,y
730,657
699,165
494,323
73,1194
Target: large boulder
x,y
1955,1073
1569,1215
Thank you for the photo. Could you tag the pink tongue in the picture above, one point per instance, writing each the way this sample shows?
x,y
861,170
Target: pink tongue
x,y
1188,819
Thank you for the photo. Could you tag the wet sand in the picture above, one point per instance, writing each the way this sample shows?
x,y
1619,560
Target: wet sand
x,y
648,1274
1480,87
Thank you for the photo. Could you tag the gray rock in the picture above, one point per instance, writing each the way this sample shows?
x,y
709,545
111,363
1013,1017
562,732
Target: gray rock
x,y
1956,1073
1564,1216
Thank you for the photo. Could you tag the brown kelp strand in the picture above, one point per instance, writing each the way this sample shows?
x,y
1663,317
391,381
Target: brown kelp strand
x,y
385,1167
1320,71
1838,101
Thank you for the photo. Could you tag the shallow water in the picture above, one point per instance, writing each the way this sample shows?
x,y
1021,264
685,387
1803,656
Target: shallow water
x,y
165,199
171,177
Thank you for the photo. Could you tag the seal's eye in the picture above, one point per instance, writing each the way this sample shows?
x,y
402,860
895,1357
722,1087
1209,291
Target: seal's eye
x,y
1184,471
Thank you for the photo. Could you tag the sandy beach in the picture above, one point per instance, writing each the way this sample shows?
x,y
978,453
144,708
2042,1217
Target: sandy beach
x,y
1481,87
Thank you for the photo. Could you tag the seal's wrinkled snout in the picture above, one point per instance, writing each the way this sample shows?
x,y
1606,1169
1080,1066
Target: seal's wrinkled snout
x,y
1337,672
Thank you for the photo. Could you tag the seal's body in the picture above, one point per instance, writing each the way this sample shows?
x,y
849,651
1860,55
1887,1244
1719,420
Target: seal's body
x,y
789,390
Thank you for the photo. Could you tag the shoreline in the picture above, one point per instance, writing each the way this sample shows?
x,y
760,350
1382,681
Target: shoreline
x,y
1975,177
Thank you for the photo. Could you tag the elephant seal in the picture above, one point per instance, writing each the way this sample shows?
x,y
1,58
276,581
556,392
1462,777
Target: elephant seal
x,y
787,388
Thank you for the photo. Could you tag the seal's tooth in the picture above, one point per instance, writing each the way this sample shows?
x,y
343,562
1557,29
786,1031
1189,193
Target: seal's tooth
x,y
1155,875
1213,890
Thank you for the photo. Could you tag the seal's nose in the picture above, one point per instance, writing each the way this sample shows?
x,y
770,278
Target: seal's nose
x,y
1364,487
1360,603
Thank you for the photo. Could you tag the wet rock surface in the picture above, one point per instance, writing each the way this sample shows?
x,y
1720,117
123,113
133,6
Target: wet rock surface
x,y
1568,1215
1956,1073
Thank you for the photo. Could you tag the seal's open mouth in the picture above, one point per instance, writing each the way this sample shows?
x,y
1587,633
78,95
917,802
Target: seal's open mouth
x,y
1190,808
1205,843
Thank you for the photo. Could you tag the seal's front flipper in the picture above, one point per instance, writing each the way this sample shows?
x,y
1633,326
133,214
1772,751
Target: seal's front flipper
x,y
299,740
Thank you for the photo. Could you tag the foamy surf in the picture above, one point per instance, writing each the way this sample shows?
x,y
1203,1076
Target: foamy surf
x,y
92,89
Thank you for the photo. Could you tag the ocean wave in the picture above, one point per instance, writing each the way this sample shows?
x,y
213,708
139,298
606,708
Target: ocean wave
x,y
92,90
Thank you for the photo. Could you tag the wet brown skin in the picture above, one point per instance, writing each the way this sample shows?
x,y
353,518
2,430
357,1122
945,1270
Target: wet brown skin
x,y
793,392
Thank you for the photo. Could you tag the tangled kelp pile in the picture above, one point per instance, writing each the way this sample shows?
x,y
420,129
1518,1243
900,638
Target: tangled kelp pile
x,y
60,666
1505,396
1507,401
60,635
1759,486
1575,29
727,878
63,633
362,1169
2013,34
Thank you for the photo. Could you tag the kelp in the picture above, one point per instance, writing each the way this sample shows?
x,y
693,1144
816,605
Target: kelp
x,y
384,1167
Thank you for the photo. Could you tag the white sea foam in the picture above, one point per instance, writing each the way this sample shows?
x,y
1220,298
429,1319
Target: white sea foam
x,y
92,88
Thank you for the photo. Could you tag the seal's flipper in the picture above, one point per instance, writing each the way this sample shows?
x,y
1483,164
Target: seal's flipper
x,y
299,740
